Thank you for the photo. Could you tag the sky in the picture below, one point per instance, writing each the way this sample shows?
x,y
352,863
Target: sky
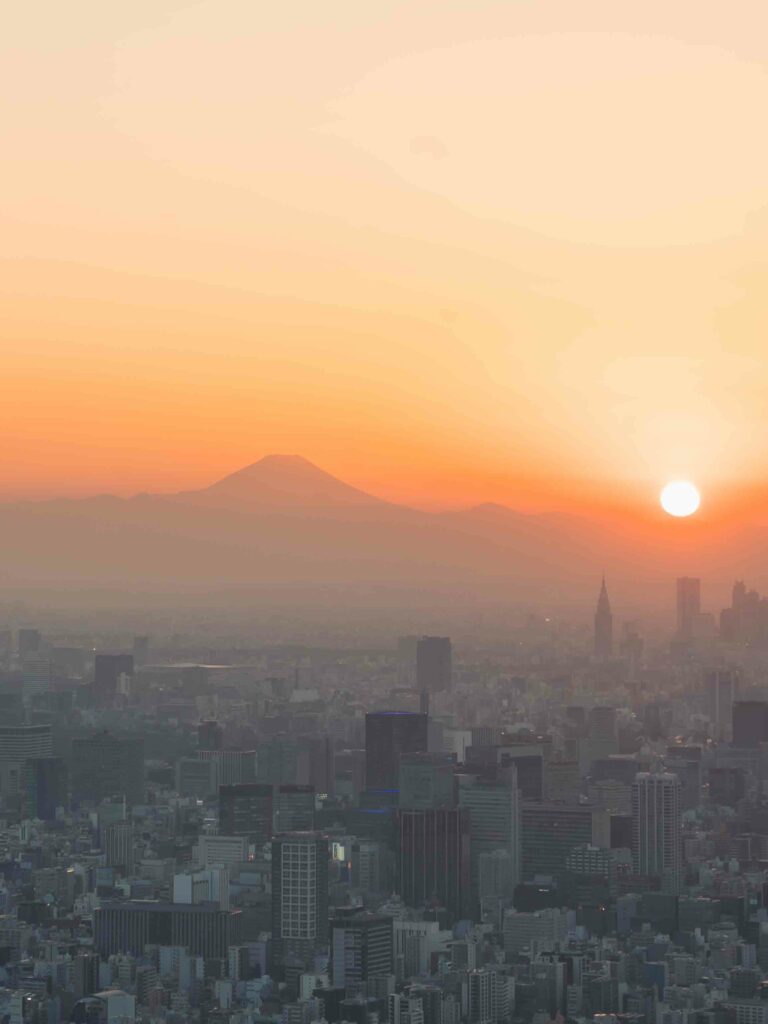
x,y
450,251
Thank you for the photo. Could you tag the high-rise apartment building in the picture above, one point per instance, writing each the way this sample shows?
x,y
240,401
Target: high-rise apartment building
x,y
388,734
656,827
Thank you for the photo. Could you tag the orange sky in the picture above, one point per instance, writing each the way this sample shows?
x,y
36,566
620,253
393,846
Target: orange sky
x,y
450,251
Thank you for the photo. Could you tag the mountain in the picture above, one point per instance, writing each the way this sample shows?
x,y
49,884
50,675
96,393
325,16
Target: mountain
x,y
284,524
280,482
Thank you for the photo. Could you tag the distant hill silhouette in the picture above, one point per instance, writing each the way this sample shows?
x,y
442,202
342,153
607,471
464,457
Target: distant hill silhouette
x,y
283,522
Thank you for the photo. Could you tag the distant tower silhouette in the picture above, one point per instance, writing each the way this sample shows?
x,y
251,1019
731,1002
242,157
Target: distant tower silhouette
x,y
603,625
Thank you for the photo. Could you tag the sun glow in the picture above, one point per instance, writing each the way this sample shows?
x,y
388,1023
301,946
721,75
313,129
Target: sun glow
x,y
680,498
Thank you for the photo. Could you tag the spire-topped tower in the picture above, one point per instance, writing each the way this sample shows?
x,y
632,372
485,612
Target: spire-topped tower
x,y
603,624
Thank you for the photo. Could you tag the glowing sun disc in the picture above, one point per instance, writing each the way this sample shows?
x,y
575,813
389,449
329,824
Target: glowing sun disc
x,y
680,498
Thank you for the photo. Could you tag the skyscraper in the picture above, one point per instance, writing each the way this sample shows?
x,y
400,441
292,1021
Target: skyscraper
x,y
750,723
247,810
104,765
721,685
603,624
107,670
434,858
433,664
388,734
494,808
550,832
656,827
20,743
299,892
688,606
117,843
427,781
295,809
45,787
30,642
210,736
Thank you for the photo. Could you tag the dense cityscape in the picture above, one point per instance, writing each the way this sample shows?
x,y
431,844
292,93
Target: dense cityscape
x,y
414,834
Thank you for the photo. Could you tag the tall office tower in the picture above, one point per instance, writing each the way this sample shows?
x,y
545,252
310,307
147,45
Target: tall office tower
x,y
247,810
603,624
721,685
494,876
372,864
299,893
140,651
602,737
750,723
295,809
29,643
433,664
494,809
388,734
105,765
210,736
406,661
20,743
196,777
550,832
688,606
434,858
45,787
427,781
361,949
656,828
108,673
117,843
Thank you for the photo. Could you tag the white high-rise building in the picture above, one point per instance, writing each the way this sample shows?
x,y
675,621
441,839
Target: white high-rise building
x,y
656,827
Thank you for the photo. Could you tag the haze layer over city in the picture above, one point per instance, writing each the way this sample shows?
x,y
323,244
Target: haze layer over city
x,y
383,534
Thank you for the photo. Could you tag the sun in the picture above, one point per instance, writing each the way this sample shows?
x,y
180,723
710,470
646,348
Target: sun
x,y
680,498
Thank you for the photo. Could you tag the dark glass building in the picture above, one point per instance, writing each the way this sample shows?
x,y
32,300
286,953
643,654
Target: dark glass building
x,y
247,809
105,765
388,734
433,663
434,858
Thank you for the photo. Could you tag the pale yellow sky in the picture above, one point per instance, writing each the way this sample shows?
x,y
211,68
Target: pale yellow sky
x,y
505,251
